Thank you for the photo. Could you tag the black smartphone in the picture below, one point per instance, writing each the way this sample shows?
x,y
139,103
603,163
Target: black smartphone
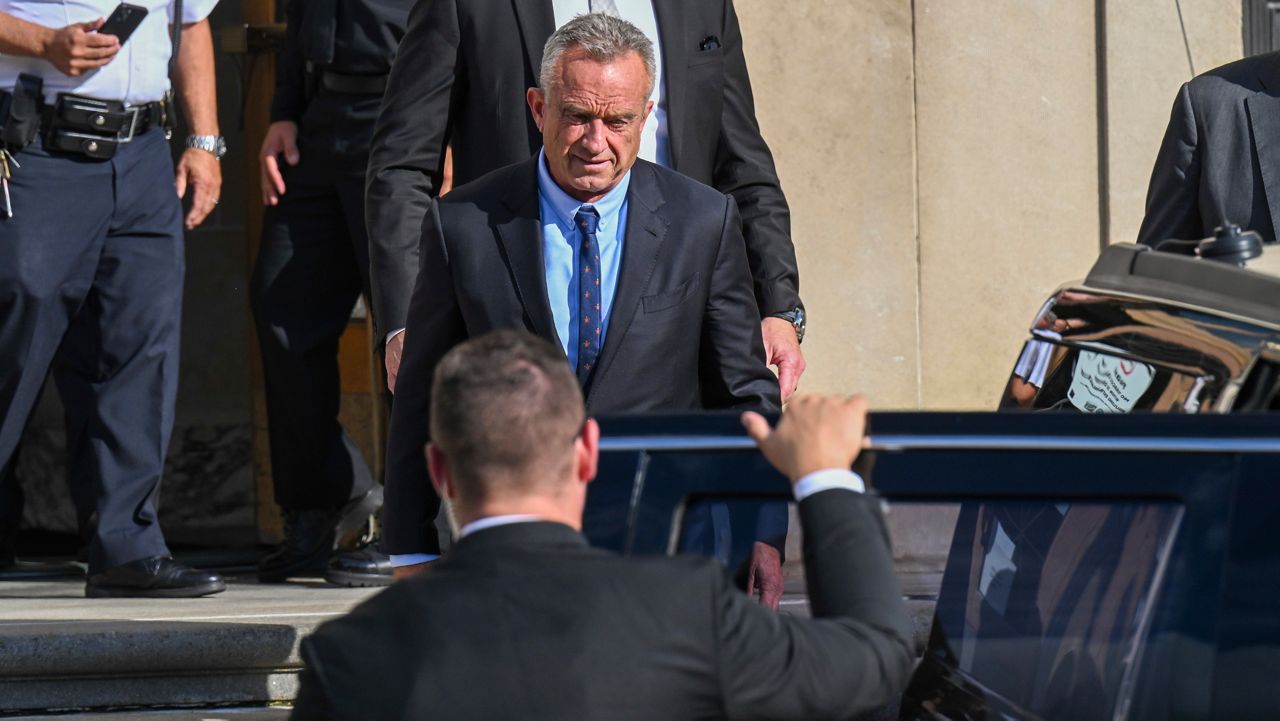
x,y
123,21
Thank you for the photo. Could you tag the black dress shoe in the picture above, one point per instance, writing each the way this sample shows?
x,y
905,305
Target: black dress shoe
x,y
308,540
362,567
155,577
309,537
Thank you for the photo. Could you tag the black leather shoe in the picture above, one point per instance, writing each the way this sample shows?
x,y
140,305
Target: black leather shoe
x,y
309,537
362,567
155,577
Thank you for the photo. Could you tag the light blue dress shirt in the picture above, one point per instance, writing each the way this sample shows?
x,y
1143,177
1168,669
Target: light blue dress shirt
x,y
561,250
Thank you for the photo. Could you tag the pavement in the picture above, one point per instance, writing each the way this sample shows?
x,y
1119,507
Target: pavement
x,y
61,601
274,713
61,652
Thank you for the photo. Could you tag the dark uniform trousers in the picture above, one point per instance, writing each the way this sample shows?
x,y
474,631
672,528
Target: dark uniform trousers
x,y
311,267
91,272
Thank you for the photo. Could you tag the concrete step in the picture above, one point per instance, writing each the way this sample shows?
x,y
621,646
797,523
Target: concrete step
x,y
60,651
259,713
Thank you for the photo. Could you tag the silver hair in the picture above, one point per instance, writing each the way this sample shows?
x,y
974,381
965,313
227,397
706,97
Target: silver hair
x,y
604,38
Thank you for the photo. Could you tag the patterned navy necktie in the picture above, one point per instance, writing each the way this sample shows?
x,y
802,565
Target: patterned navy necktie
x,y
588,272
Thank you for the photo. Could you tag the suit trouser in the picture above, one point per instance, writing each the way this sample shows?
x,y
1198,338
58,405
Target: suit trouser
x,y
91,271
312,265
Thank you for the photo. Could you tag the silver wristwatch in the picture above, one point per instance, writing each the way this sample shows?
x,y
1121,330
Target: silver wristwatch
x,y
215,144
797,320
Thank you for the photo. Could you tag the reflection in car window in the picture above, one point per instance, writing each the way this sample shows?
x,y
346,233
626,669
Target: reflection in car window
x,y
1051,377
1045,604
1105,384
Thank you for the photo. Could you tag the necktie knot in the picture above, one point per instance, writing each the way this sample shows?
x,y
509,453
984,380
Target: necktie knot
x,y
587,220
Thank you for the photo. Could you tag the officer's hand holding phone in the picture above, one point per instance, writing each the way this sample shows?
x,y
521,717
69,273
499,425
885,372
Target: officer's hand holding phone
x,y
78,48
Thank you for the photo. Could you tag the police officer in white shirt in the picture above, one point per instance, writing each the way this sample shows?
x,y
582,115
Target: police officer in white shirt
x,y
91,257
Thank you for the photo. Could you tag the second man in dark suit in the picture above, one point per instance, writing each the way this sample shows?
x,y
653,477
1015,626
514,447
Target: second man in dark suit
x,y
313,264
638,273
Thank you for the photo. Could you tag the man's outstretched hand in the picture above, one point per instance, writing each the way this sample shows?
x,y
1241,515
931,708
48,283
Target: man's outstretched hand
x,y
816,433
395,349
782,350
764,576
281,141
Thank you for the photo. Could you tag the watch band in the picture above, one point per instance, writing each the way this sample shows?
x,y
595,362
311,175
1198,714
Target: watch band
x,y
215,144
796,318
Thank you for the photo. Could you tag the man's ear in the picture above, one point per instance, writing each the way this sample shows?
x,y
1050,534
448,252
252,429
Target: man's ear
x,y
587,450
537,105
439,467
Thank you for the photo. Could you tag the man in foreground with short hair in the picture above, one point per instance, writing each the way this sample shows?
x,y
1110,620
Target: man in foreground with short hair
x,y
524,620
637,272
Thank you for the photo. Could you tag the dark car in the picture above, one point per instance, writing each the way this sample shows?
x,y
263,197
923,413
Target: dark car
x,y
1103,565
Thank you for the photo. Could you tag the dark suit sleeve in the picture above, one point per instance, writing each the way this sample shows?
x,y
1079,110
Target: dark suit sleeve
x,y
732,364
854,655
434,326
312,702
744,169
406,158
1173,207
290,98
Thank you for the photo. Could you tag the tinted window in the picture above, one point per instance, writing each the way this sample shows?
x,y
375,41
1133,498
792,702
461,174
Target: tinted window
x,y
1044,606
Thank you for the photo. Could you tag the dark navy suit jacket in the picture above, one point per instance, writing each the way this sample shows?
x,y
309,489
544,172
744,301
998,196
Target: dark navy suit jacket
x,y
684,333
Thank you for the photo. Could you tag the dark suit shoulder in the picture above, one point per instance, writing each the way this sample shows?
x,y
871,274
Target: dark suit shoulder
x,y
357,651
1247,75
491,187
368,621
679,186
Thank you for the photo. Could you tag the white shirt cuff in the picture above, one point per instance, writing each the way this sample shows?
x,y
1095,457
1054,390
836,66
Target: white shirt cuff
x,y
392,334
411,559
827,480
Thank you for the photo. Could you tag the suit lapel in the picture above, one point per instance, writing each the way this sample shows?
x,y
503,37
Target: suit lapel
x,y
1264,118
521,235
537,21
642,243
671,29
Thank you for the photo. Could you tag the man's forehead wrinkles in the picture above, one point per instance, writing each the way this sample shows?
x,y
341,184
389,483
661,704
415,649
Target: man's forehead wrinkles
x,y
603,108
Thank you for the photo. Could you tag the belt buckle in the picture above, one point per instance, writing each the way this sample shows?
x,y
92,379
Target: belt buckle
x,y
132,112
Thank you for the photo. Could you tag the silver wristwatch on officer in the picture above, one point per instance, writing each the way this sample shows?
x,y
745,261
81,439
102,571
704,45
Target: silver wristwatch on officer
x,y
796,319
215,144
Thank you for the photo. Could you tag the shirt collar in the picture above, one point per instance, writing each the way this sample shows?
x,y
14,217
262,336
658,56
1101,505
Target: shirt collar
x,y
566,207
493,521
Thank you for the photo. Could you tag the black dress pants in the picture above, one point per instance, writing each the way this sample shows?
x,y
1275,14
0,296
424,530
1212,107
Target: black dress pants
x,y
91,271
311,267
